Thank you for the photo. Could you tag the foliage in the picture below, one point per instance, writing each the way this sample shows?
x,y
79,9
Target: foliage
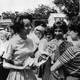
x,y
43,11
11,15
71,7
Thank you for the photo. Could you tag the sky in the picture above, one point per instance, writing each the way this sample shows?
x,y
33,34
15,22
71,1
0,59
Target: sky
x,y
21,5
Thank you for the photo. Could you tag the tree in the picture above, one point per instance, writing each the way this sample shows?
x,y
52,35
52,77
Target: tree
x,y
8,15
4,15
71,7
42,11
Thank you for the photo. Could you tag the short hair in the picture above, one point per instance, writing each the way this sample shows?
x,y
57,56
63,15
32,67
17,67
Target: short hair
x,y
39,22
41,29
49,31
62,25
21,17
18,22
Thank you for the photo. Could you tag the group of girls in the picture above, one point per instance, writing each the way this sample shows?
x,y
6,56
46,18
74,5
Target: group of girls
x,y
45,52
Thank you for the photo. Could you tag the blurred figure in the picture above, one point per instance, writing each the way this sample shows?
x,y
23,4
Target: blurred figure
x,y
40,55
35,39
4,37
45,67
39,32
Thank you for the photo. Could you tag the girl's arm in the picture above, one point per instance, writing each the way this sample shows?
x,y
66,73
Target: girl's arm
x,y
8,65
56,65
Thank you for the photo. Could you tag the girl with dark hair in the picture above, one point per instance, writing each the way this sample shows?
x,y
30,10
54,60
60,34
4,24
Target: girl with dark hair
x,y
71,56
19,49
60,29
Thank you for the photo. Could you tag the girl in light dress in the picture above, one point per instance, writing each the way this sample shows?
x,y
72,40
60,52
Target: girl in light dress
x,y
19,49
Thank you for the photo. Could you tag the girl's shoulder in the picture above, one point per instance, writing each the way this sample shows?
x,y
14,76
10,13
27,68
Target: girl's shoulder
x,y
14,37
13,41
64,45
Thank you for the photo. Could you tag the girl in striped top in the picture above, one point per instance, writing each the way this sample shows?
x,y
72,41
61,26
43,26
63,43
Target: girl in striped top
x,y
71,57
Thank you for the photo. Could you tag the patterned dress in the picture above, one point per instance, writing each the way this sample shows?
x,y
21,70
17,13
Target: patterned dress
x,y
17,51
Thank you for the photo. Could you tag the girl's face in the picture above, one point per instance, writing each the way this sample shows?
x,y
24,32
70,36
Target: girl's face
x,y
73,35
49,37
27,26
58,33
38,34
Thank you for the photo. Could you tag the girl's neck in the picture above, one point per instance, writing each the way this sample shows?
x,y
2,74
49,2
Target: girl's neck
x,y
23,36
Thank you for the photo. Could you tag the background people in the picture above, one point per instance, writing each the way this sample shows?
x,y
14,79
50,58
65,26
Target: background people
x,y
60,29
71,57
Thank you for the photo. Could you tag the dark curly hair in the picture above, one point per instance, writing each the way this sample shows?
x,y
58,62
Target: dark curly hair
x,y
18,22
62,25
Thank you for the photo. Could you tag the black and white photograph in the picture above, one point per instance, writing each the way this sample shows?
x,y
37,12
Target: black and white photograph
x,y
40,40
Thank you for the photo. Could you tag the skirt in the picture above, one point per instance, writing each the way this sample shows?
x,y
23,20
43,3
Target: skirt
x,y
21,75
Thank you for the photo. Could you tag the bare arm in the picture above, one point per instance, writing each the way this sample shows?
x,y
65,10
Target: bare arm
x,y
56,65
8,65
